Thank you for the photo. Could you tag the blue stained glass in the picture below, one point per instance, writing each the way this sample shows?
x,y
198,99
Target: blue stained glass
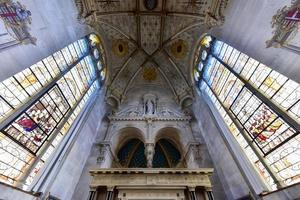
x,y
159,159
217,45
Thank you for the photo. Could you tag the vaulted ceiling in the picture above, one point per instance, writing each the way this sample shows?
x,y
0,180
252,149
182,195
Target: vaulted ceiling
x,y
151,42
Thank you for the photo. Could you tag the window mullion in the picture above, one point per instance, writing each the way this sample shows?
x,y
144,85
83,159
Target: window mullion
x,y
246,137
264,99
35,97
51,138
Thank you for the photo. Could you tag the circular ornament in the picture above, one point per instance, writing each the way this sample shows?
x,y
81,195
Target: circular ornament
x,y
120,48
96,54
204,55
99,65
150,4
200,66
149,73
179,49
103,74
196,75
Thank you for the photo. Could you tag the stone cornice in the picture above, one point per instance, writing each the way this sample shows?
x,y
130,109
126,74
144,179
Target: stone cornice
x,y
206,171
149,119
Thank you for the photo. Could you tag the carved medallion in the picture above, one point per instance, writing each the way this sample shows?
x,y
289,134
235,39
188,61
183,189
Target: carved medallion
x,y
286,24
150,4
179,48
120,48
149,73
16,19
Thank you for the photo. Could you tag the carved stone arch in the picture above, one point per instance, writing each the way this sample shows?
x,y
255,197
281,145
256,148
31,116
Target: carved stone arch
x,y
113,101
194,51
186,102
124,134
172,135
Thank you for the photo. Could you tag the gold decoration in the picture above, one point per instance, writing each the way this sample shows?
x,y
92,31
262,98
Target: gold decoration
x,y
120,48
206,41
95,40
28,80
16,19
286,25
179,49
149,73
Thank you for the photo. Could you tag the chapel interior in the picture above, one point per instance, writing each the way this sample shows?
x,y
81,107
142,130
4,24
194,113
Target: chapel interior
x,y
149,100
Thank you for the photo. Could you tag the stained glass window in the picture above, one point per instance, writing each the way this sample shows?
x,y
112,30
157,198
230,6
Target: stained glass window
x,y
250,97
39,105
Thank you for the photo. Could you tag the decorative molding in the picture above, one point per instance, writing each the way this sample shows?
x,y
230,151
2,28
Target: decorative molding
x,y
286,24
151,177
151,28
16,19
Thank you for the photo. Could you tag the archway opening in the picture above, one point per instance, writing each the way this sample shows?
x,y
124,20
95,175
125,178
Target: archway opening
x,y
131,154
166,154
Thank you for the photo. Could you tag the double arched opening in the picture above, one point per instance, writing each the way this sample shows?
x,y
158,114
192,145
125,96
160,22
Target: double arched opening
x,y
133,151
132,154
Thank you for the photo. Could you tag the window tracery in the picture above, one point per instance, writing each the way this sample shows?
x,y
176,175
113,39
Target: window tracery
x,y
250,96
39,105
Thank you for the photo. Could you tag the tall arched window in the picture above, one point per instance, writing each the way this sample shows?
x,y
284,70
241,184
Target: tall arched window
x,y
39,105
260,106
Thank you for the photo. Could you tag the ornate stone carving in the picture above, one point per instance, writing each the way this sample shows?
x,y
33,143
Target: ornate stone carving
x,y
149,73
151,177
149,153
103,149
150,104
16,19
286,23
196,149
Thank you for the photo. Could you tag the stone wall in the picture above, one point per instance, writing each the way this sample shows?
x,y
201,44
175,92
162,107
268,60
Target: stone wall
x,y
248,26
225,167
54,25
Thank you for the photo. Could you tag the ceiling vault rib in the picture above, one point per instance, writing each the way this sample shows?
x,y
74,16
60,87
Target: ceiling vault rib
x,y
177,68
182,31
98,13
162,23
166,154
185,14
133,77
167,79
119,30
123,66
159,13
138,23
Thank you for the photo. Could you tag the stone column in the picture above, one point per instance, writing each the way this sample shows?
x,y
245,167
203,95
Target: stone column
x,y
103,153
149,153
110,193
192,193
208,194
92,194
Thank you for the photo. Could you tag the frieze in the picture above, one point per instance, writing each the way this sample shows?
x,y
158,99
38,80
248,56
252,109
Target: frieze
x,y
153,177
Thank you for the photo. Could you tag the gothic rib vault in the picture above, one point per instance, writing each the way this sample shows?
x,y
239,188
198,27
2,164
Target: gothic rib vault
x,y
151,42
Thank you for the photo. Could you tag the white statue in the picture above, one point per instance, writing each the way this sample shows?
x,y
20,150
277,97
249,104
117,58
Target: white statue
x,y
149,107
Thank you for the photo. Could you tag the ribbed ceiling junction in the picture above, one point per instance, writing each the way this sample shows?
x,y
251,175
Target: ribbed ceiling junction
x,y
152,39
